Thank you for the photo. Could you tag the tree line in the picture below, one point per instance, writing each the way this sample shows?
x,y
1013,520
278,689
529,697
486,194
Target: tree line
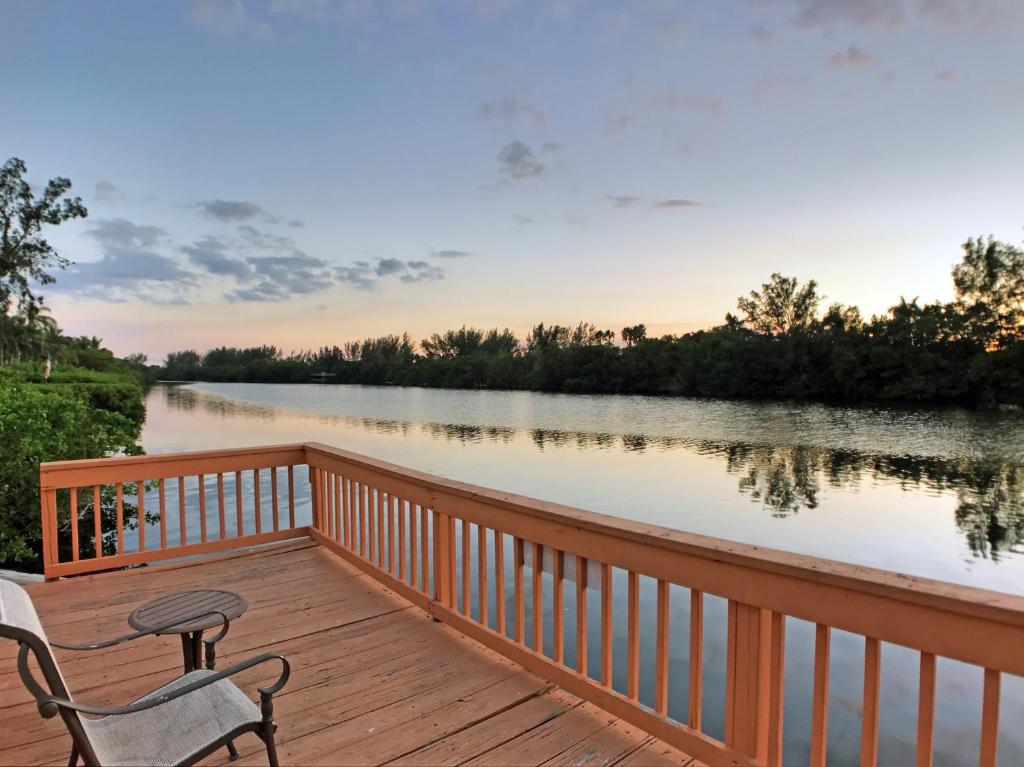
x,y
780,343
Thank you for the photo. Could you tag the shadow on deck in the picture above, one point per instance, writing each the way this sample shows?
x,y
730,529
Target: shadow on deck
x,y
374,679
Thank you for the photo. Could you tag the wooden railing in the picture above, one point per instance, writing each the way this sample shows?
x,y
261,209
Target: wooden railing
x,y
469,556
149,508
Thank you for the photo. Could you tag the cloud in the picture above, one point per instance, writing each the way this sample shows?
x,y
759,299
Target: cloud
x,y
281,277
517,160
260,240
130,267
552,146
295,224
232,211
521,219
761,34
118,233
388,266
622,201
852,58
211,254
450,253
613,126
676,203
510,110
107,191
711,106
945,75
227,17
421,270
829,13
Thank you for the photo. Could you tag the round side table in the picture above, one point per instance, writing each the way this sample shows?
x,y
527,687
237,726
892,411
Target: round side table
x,y
163,610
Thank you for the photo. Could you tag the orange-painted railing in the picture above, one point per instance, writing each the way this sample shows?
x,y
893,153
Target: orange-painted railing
x,y
469,555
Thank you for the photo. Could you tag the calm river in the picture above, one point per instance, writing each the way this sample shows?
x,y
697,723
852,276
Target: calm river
x,y
937,493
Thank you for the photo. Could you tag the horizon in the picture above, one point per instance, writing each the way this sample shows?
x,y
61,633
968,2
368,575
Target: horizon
x,y
302,173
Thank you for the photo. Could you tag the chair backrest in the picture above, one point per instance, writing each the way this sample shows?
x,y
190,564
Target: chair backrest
x,y
19,621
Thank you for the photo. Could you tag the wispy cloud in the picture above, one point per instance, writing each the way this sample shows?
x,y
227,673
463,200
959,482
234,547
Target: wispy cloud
x,y
672,100
852,58
676,204
450,253
622,201
130,266
233,211
516,160
107,191
227,17
212,254
509,110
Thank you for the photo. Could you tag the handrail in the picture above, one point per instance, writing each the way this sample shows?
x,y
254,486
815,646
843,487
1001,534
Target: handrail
x,y
469,555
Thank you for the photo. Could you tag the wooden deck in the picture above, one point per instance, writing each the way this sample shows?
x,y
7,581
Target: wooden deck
x,y
374,680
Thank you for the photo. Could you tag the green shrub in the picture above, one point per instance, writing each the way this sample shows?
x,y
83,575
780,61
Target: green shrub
x,y
52,423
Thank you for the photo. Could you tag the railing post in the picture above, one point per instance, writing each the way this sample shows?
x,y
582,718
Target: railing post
x,y
48,513
747,679
443,559
314,495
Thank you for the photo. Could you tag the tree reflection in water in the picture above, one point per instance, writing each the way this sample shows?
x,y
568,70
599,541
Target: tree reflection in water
x,y
784,479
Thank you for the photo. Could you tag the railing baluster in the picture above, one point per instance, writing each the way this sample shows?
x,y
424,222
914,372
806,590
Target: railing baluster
x,y
140,511
499,582
240,528
326,506
558,607
661,649
220,506
162,493
346,511
97,526
273,498
371,524
339,514
450,561
696,703
181,510
393,504
401,539
291,496
926,711
517,546
202,508
481,573
872,682
360,509
73,521
633,636
378,503
425,549
990,719
776,694
580,563
414,547
256,499
466,571
538,597
819,706
120,518
606,625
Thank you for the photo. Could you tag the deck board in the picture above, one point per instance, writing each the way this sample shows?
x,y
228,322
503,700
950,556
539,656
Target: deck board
x,y
374,679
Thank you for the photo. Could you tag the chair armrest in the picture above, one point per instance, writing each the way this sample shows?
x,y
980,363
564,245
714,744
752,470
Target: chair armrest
x,y
50,705
163,628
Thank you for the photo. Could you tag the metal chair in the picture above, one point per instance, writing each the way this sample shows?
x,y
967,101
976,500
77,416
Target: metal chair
x,y
177,724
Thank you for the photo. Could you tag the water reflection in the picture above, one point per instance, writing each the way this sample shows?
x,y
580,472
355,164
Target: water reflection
x,y
784,479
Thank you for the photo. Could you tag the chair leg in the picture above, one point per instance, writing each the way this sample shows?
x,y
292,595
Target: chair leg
x,y
271,747
73,761
232,751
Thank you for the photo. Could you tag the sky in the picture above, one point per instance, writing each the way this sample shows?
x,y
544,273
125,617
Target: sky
x,y
308,172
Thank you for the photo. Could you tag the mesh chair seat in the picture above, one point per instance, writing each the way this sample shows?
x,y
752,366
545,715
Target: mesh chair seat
x,y
175,731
